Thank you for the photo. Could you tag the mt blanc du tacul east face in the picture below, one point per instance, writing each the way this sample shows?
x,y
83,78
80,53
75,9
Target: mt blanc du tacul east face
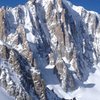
x,y
48,48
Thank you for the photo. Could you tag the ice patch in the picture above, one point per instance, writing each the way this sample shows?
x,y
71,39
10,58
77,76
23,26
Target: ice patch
x,y
1,43
50,66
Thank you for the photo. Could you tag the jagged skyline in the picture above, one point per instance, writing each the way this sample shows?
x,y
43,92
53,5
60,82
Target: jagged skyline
x,y
89,5
93,5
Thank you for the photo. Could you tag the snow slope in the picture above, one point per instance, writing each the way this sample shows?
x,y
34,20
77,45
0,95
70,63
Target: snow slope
x,y
90,90
92,93
4,95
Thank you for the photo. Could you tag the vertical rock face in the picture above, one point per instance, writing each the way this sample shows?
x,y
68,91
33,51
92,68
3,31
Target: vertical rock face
x,y
2,25
39,86
91,19
45,47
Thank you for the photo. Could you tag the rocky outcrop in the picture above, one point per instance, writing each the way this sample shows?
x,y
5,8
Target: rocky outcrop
x,y
39,85
2,24
10,82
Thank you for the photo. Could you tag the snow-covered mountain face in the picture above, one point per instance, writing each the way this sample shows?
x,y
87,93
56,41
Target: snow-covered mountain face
x,y
47,48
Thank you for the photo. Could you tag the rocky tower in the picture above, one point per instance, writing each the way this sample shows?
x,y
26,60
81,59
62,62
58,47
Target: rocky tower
x,y
46,46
